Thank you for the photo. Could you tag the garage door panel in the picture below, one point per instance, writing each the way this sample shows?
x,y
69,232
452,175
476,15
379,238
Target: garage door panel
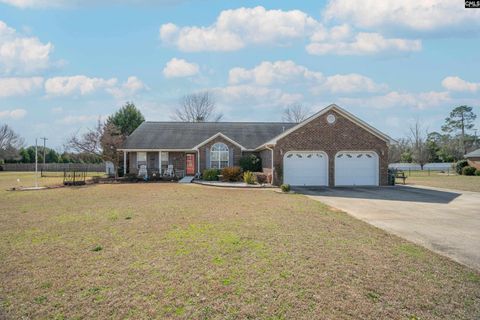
x,y
356,168
303,168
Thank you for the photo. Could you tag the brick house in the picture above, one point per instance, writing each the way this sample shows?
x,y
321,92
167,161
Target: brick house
x,y
330,148
473,159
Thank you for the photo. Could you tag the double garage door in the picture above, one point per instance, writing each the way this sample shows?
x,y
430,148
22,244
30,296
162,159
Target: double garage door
x,y
352,168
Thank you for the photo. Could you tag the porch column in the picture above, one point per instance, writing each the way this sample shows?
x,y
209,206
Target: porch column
x,y
198,161
124,163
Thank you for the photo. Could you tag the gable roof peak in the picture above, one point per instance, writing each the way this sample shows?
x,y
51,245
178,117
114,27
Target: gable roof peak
x,y
344,113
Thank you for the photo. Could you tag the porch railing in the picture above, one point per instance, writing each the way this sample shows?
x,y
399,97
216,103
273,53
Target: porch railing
x,y
164,173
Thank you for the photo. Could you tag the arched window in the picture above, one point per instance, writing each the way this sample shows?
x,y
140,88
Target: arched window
x,y
219,156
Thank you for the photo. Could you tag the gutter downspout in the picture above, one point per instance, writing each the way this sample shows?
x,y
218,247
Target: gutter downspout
x,y
198,162
124,163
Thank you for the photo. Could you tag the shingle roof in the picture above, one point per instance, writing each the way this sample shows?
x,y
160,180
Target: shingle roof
x,y
475,153
186,135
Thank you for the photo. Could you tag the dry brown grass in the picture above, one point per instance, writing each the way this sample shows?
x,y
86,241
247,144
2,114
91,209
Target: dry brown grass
x,y
466,183
184,251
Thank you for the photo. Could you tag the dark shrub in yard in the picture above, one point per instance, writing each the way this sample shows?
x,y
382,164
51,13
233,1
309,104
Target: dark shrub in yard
x,y
477,172
231,174
131,177
460,165
391,177
210,174
260,177
285,187
468,171
251,162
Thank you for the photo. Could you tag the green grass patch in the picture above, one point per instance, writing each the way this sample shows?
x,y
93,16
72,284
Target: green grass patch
x,y
40,299
411,250
97,248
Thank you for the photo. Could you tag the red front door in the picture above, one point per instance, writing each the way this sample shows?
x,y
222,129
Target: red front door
x,y
190,164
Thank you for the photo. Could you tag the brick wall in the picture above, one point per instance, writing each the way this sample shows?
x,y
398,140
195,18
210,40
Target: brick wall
x,y
237,152
474,162
343,134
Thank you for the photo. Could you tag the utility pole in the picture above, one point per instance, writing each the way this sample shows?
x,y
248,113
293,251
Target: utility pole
x,y
44,143
36,164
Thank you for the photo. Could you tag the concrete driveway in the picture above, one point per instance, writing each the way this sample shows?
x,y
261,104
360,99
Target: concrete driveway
x,y
445,221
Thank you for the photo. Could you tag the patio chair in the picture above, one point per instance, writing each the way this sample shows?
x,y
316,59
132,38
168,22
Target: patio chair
x,y
142,172
169,172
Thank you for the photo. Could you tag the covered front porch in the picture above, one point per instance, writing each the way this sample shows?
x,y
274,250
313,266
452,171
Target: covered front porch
x,y
161,163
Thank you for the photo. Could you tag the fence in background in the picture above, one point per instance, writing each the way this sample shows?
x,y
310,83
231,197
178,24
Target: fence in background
x,y
54,167
413,169
438,166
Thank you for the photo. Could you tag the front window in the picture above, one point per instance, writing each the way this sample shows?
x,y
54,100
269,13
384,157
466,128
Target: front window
x,y
219,156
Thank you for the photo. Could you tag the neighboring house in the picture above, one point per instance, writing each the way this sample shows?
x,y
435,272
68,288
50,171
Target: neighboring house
x,y
473,158
330,148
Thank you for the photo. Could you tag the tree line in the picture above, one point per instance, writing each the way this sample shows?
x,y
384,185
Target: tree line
x,y
456,138
102,142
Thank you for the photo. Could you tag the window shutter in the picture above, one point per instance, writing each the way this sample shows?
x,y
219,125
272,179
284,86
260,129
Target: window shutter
x,y
207,158
230,157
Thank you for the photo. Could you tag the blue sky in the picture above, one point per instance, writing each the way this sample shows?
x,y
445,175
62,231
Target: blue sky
x,y
64,64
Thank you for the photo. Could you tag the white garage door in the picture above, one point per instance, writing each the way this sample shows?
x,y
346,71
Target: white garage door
x,y
302,168
355,168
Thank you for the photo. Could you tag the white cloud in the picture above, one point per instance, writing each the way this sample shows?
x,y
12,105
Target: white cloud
x,y
19,86
21,54
349,83
180,68
424,15
63,86
14,114
57,110
267,73
288,72
458,84
128,89
422,100
245,95
81,119
361,44
34,3
236,28
24,4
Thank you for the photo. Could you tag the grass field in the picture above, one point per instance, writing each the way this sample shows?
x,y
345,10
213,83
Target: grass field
x,y
441,180
143,251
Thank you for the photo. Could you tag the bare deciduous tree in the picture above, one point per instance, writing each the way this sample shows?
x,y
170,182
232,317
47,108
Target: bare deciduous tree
x,y
102,141
395,151
111,140
10,142
295,113
197,107
88,142
418,138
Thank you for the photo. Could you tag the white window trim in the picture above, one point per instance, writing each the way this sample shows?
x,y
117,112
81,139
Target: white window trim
x,y
219,157
219,134
144,156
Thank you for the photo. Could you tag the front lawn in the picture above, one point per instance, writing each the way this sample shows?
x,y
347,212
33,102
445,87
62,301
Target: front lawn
x,y
142,251
439,180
